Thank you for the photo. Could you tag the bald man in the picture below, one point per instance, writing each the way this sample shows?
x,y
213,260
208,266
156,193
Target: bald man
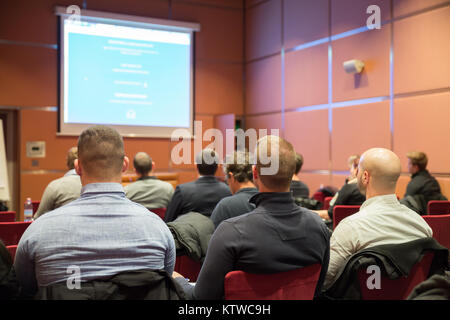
x,y
148,190
381,219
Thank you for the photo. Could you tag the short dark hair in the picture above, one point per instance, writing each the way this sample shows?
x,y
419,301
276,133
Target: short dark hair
x,y
240,165
142,163
207,162
72,155
286,161
101,151
298,162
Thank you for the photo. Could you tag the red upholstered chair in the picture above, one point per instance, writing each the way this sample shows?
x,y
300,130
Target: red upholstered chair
x,y
396,289
326,203
340,212
7,216
187,267
35,205
12,251
435,207
297,284
161,212
440,224
11,232
319,196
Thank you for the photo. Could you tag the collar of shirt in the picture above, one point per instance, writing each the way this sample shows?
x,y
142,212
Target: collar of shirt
x,y
424,173
147,178
246,190
388,199
71,172
206,178
274,201
97,188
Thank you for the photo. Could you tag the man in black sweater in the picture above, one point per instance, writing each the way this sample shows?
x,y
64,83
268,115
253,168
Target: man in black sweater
x,y
298,188
277,236
422,183
201,195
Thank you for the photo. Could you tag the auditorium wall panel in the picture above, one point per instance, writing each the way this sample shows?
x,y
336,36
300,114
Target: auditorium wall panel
x,y
372,47
427,131
31,21
400,100
308,133
306,77
304,21
263,85
404,7
357,128
421,52
263,29
29,77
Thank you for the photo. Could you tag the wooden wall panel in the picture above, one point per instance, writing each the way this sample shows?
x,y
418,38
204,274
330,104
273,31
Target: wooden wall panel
x,y
421,123
351,14
403,7
357,129
306,77
221,33
219,88
422,51
372,47
29,76
304,21
143,8
308,132
33,21
263,29
263,86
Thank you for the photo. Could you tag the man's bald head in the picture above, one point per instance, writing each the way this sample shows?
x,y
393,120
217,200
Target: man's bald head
x,y
142,163
379,170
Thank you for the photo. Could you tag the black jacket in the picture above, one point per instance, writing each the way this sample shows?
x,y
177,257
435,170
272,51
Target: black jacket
x,y
201,195
422,188
131,285
395,261
9,286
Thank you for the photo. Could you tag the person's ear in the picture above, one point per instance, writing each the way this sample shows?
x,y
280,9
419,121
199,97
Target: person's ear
x,y
231,177
153,165
255,173
77,166
126,164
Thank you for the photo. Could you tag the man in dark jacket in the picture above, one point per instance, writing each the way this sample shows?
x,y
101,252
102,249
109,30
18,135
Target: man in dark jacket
x,y
277,236
422,182
201,195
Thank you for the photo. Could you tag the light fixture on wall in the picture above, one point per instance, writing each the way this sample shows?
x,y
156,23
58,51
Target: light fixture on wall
x,y
353,66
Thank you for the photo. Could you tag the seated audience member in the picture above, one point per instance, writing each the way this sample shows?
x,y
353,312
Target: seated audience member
x,y
381,219
9,286
276,236
148,190
349,194
238,172
423,187
102,233
298,188
63,190
201,195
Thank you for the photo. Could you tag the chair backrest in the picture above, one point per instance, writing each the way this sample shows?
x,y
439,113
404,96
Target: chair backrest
x,y
340,212
7,216
440,224
319,196
11,232
435,207
394,289
187,267
35,205
161,212
12,251
326,203
297,284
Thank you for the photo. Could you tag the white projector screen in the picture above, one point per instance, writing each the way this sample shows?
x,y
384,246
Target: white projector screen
x,y
131,73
